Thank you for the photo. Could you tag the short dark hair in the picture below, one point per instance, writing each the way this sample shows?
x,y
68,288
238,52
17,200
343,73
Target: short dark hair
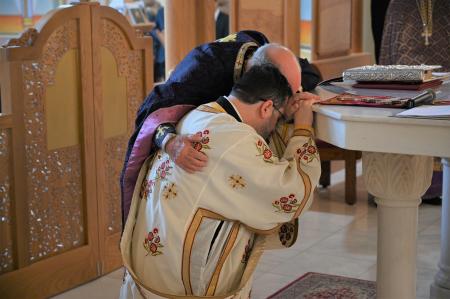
x,y
262,82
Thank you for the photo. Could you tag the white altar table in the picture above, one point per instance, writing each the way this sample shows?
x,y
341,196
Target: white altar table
x,y
397,167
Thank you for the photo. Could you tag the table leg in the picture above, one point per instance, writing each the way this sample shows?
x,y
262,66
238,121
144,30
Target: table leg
x,y
440,288
397,182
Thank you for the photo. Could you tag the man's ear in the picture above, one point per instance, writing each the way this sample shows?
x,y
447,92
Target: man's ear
x,y
266,109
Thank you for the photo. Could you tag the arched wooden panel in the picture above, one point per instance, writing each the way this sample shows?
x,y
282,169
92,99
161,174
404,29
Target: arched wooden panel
x,y
123,76
63,127
279,20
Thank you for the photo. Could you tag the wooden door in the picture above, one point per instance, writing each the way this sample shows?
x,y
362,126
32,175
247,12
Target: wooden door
x,y
123,76
70,92
49,240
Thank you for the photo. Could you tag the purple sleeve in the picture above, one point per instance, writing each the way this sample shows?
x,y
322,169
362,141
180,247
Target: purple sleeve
x,y
143,145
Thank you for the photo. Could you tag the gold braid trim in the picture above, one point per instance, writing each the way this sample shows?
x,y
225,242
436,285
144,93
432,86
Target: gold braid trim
x,y
239,64
212,107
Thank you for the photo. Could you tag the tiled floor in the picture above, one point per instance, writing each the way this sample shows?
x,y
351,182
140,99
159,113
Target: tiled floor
x,y
334,238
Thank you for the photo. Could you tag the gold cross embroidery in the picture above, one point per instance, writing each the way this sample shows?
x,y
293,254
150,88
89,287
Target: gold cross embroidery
x,y
159,132
426,34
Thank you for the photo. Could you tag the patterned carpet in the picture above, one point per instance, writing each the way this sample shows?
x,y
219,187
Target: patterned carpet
x,y
323,286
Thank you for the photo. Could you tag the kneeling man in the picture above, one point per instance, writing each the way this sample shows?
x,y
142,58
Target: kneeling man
x,y
201,234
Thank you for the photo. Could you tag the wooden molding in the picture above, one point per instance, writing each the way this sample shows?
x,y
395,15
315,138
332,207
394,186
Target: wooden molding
x,y
333,67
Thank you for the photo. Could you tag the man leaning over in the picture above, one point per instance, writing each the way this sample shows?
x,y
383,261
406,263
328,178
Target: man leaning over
x,y
185,92
201,234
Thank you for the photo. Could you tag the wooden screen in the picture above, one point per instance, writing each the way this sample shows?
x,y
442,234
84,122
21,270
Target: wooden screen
x,y
60,154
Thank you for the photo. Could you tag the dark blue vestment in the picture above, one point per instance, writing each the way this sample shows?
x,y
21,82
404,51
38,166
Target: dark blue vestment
x,y
205,74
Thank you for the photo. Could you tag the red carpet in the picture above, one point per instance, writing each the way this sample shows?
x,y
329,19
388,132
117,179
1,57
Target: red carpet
x,y
323,286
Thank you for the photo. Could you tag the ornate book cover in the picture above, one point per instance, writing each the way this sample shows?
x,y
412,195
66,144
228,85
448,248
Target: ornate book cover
x,y
347,99
390,73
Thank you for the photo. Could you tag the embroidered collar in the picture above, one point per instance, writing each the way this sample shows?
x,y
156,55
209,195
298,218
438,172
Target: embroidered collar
x,y
229,108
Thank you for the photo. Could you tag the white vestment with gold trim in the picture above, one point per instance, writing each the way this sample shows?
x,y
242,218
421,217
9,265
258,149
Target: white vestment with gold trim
x,y
202,234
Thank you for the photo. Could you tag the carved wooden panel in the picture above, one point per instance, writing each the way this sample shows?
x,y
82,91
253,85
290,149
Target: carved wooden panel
x,y
54,178
122,64
130,68
332,28
264,15
6,215
279,20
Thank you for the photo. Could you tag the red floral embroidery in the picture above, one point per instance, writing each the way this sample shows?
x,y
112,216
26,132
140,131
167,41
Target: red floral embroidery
x,y
308,152
152,243
199,146
263,150
146,188
286,204
247,251
161,174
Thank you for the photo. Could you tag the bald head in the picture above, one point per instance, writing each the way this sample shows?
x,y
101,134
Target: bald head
x,y
283,59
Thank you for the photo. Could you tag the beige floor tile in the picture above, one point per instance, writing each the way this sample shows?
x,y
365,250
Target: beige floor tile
x,y
324,221
306,239
106,287
266,264
428,251
322,263
424,279
428,215
371,274
350,244
117,274
433,229
268,284
364,225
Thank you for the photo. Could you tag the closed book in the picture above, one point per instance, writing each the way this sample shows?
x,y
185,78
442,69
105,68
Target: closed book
x,y
399,85
382,73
